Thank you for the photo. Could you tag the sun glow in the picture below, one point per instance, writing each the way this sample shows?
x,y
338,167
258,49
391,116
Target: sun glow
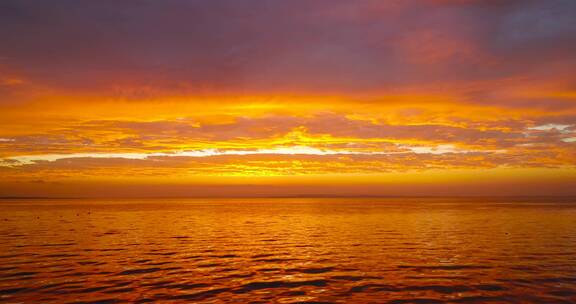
x,y
361,99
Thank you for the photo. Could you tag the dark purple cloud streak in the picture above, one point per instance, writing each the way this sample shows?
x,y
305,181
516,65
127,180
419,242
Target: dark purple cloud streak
x,y
259,45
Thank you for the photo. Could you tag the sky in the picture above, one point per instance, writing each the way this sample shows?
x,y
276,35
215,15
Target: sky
x,y
279,98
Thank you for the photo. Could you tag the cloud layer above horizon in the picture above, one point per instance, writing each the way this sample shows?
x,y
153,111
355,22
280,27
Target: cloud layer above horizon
x,y
358,92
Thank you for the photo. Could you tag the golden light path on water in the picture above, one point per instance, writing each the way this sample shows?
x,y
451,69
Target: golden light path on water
x,y
347,250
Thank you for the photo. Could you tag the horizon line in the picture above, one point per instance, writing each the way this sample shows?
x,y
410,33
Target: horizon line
x,y
287,196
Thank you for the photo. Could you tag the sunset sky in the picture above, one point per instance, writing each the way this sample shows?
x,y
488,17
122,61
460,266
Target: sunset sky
x,y
298,97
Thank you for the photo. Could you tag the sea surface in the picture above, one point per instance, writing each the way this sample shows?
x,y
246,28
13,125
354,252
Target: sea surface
x,y
296,250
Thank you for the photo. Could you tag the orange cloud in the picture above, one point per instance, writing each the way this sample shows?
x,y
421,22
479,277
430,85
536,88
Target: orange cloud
x,y
291,95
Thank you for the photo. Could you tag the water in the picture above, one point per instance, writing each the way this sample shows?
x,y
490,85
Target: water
x,y
402,250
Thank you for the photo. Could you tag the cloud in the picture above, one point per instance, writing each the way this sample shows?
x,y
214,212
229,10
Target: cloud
x,y
324,133
326,46
95,90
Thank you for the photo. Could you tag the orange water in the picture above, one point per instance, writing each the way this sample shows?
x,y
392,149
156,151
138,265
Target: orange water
x,y
401,250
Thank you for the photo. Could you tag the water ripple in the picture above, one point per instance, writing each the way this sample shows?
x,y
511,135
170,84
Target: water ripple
x,y
289,251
